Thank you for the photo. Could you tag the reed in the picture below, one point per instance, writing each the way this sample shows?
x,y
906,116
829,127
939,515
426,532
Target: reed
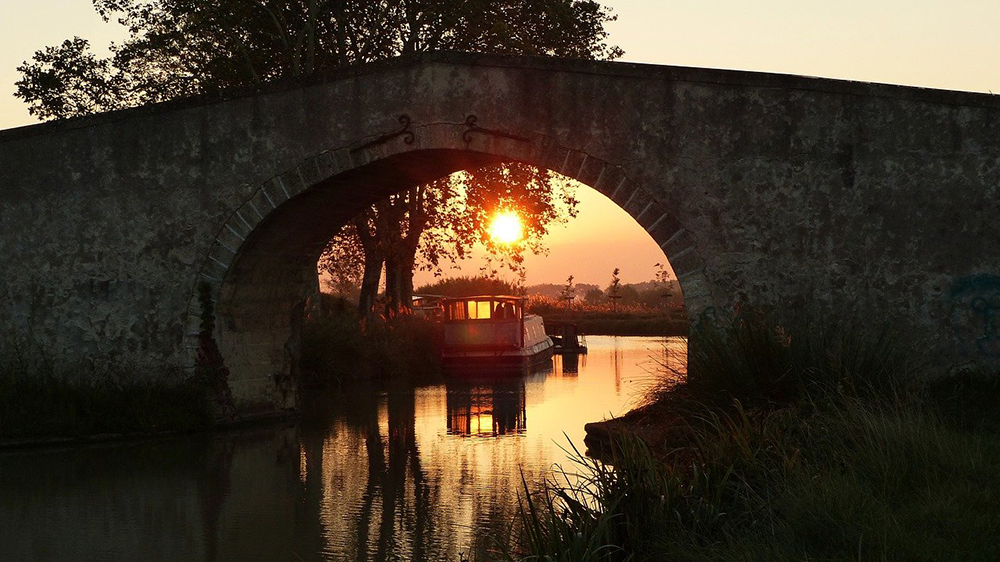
x,y
816,449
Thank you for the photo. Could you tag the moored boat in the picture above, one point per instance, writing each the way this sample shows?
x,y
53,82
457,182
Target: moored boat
x,y
492,333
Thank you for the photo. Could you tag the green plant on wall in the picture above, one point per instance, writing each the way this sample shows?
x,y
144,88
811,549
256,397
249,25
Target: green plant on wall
x,y
210,366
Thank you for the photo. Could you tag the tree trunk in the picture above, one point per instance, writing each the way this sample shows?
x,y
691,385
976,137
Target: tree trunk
x,y
403,262
393,294
369,284
390,223
406,251
374,258
406,285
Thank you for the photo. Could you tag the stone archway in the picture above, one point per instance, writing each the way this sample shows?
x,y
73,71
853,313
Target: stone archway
x,y
262,262
844,201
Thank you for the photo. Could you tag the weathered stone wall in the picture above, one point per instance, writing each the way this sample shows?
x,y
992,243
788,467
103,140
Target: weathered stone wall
x,y
854,202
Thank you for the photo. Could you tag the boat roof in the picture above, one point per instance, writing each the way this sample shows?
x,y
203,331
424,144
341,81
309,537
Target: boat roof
x,y
484,297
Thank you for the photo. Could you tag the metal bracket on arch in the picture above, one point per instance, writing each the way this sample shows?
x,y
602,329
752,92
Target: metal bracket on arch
x,y
471,127
408,136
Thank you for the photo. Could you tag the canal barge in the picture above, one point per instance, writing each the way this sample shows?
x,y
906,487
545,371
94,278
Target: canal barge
x,y
493,334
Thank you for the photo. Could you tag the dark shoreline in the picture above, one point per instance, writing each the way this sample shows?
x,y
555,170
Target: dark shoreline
x,y
622,325
54,442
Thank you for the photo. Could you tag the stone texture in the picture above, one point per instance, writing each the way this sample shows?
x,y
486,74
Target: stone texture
x,y
857,203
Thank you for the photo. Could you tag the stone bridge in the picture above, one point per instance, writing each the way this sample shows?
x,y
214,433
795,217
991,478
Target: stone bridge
x,y
844,201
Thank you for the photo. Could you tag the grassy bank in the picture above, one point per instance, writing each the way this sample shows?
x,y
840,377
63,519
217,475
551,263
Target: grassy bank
x,y
613,320
43,397
786,447
615,324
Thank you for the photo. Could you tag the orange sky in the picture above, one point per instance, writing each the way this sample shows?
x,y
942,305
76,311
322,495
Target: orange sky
x,y
601,238
949,44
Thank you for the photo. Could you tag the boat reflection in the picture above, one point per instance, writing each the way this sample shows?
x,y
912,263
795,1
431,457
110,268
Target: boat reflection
x,y
486,408
568,364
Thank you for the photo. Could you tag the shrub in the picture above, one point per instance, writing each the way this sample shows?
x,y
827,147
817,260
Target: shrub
x,y
750,358
468,286
338,345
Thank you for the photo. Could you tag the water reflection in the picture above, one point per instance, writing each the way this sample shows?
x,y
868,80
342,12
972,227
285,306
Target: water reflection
x,y
393,473
568,364
486,408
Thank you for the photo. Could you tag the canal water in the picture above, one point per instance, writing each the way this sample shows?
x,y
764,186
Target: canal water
x,y
403,472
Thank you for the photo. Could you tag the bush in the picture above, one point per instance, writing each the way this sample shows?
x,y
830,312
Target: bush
x,y
469,287
338,345
750,358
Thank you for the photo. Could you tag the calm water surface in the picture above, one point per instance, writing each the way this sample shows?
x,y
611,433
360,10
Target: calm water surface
x,y
400,472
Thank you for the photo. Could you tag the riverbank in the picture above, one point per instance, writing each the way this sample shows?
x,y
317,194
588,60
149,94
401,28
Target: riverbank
x,y
111,438
45,401
777,448
621,324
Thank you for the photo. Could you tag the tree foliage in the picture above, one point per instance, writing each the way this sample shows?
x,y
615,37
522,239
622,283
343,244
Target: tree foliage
x,y
466,286
67,80
180,48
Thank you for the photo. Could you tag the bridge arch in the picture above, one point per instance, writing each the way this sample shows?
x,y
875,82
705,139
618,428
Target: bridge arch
x,y
261,264
837,200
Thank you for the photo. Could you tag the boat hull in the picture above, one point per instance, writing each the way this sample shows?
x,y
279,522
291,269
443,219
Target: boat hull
x,y
513,362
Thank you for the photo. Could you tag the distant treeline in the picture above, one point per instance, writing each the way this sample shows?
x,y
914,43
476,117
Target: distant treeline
x,y
648,295
646,309
468,286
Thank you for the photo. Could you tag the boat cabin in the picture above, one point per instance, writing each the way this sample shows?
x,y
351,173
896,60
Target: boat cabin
x,y
492,331
493,322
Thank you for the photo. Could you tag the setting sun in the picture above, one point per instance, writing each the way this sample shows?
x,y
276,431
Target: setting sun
x,y
506,228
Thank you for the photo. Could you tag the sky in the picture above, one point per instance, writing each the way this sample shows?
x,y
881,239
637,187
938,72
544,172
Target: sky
x,y
942,44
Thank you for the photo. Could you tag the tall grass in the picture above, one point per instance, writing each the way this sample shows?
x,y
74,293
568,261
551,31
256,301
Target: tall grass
x,y
750,358
817,449
632,319
544,305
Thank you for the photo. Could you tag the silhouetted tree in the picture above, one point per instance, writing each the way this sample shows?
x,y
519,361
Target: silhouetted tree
x,y
568,292
178,48
594,296
614,289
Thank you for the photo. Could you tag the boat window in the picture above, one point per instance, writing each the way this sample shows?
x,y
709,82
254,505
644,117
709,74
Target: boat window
x,y
505,310
456,310
485,309
478,310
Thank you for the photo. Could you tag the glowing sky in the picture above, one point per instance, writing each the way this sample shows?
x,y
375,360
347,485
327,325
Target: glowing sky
x,y
949,44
